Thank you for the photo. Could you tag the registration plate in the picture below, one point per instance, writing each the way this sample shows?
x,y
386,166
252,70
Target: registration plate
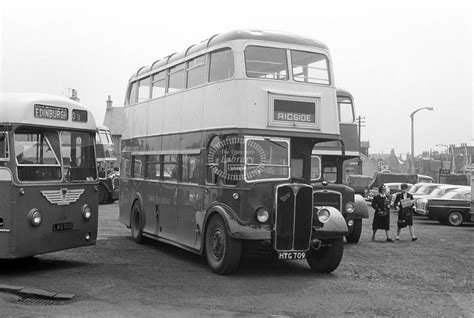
x,y
291,255
62,226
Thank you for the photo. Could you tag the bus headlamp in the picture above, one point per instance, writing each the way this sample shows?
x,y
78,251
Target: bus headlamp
x,y
262,215
35,217
323,215
86,212
350,207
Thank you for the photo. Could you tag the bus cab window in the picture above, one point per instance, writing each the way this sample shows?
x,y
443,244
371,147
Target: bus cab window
x,y
297,161
77,149
315,168
330,173
3,146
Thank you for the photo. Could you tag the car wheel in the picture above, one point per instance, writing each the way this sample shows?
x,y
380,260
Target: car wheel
x,y
222,251
136,223
327,257
102,193
356,231
455,218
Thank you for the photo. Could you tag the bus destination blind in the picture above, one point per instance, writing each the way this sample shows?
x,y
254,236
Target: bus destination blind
x,y
294,111
79,115
51,112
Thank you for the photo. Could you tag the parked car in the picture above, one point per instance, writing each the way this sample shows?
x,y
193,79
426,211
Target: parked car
x,y
453,208
437,192
385,178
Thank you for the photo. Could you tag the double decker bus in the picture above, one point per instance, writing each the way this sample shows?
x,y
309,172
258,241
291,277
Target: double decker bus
x,y
48,175
108,178
328,162
216,150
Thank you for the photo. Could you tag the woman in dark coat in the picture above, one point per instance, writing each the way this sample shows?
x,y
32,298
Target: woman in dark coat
x,y
404,201
381,205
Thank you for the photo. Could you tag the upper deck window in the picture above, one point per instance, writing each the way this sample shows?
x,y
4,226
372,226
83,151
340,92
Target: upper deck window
x,y
196,71
221,65
3,145
310,67
346,110
133,97
176,78
159,84
266,62
144,90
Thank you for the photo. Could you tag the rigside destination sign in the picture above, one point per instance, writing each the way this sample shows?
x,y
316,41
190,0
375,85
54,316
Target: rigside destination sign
x,y
51,112
294,111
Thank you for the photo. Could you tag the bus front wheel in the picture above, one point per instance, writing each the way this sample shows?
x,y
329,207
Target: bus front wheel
x,y
327,257
222,251
136,223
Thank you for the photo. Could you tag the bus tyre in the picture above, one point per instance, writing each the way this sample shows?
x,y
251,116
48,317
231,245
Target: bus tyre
x,y
327,257
102,193
222,251
356,231
136,223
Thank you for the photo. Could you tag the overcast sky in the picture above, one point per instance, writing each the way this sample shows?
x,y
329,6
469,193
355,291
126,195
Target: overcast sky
x,y
394,58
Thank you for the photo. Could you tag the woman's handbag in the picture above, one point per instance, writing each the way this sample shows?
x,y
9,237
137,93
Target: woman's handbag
x,y
401,224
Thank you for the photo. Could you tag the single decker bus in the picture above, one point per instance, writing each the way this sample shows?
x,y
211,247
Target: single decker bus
x,y
216,150
48,175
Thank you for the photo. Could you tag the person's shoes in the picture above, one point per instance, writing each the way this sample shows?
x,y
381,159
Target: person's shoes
x,y
397,238
373,238
389,240
414,239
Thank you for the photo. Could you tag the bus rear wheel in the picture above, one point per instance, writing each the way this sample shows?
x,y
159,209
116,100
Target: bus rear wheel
x,y
136,223
327,257
222,251
356,231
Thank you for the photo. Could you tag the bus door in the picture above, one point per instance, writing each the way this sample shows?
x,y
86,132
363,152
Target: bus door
x,y
167,198
190,195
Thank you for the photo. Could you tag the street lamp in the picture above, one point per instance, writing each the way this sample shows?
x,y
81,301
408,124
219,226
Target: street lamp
x,y
412,116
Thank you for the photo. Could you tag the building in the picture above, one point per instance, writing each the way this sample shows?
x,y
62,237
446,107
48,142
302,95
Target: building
x,y
114,121
388,162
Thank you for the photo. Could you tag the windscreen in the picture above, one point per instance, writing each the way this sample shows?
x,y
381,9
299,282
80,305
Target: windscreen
x,y
267,159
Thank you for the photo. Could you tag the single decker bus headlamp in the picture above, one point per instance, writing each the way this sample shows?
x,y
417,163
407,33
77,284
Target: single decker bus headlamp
x,y
350,207
323,215
35,217
262,215
86,212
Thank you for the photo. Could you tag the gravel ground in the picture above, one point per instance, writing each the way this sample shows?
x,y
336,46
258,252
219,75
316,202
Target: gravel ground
x,y
431,277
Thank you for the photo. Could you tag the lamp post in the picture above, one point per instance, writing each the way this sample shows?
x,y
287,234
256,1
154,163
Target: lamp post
x,y
412,116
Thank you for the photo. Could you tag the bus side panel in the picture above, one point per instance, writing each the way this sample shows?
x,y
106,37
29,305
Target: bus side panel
x,y
62,226
189,202
6,218
125,203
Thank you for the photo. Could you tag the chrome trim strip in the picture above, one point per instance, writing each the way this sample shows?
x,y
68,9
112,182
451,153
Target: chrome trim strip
x,y
449,206
5,231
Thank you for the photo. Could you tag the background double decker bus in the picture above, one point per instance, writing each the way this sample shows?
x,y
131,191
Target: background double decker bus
x,y
328,169
216,150
48,175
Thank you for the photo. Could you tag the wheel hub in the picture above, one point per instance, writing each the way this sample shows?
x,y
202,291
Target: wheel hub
x,y
217,244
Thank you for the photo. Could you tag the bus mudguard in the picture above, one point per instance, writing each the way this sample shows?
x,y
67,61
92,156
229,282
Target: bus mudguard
x,y
361,208
335,227
237,229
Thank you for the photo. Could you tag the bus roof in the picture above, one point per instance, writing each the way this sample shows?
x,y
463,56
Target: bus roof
x,y
343,92
44,110
258,35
